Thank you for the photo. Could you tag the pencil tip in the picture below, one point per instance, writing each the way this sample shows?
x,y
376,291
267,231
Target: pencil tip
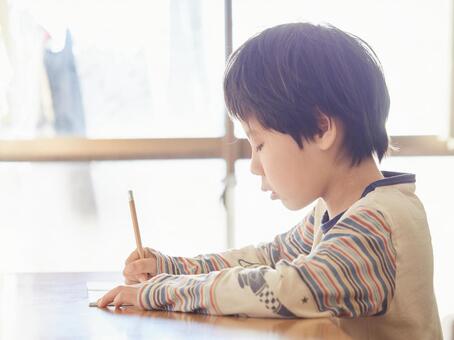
x,y
130,195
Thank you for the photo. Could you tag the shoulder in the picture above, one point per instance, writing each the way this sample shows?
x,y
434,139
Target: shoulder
x,y
364,220
394,205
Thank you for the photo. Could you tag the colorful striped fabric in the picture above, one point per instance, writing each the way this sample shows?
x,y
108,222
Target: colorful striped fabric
x,y
288,246
352,272
291,244
192,293
187,266
349,273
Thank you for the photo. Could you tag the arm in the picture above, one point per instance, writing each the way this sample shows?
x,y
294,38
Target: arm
x,y
287,246
351,273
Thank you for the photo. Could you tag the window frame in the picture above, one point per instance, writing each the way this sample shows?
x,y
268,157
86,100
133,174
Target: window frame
x,y
226,147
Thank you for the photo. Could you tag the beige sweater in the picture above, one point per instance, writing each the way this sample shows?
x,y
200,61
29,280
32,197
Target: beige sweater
x,y
370,267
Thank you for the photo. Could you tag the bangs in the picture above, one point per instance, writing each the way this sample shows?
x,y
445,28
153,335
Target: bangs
x,y
239,90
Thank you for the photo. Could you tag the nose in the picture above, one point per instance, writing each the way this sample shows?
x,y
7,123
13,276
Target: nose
x,y
256,166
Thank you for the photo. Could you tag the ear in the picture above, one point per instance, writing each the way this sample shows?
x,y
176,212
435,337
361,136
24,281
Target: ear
x,y
328,130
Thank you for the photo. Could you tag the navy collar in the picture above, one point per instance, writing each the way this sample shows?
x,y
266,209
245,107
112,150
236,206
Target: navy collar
x,y
391,178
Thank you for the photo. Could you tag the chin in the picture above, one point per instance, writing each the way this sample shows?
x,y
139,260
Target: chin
x,y
291,206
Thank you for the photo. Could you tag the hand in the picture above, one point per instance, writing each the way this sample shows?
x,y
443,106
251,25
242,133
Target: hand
x,y
139,270
121,295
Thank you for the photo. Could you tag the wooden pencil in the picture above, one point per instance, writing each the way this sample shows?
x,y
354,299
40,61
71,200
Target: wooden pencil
x,y
135,224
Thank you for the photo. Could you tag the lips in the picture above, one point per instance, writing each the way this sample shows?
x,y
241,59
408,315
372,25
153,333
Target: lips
x,y
273,195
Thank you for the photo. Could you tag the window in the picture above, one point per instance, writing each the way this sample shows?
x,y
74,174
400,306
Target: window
x,y
80,211
114,69
413,40
98,97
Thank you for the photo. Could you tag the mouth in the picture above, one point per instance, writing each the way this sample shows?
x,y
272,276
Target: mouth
x,y
273,195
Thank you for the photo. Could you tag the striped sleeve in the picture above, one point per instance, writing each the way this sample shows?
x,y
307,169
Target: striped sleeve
x,y
178,265
292,244
351,273
288,246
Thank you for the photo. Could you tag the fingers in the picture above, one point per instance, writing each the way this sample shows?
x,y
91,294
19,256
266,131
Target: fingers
x,y
148,252
143,277
141,266
119,296
108,297
132,257
135,279
118,300
130,281
139,270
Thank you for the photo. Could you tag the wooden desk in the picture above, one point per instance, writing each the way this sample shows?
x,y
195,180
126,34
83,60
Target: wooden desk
x,y
55,306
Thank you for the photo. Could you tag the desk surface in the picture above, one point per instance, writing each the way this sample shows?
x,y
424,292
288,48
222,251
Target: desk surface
x,y
55,306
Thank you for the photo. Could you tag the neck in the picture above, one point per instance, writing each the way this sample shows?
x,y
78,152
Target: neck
x,y
347,184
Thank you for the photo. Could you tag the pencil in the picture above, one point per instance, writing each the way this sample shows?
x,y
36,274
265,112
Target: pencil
x,y
135,224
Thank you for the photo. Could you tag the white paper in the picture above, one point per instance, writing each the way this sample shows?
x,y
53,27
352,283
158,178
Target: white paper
x,y
102,285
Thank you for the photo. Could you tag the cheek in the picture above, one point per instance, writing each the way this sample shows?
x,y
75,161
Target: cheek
x,y
283,173
295,180
299,194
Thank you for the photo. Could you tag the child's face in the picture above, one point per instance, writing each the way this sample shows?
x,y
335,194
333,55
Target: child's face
x,y
295,176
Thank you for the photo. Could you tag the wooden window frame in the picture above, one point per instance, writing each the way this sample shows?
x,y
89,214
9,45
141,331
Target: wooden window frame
x,y
225,147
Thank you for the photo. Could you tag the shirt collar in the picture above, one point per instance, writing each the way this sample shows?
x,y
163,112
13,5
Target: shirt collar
x,y
391,178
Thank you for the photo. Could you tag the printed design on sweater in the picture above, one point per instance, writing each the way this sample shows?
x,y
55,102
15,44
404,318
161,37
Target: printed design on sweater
x,y
352,271
246,264
255,280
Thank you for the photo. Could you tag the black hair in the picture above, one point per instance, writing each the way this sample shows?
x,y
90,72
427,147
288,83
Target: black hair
x,y
288,74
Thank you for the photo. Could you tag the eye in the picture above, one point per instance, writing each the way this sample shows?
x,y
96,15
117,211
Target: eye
x,y
259,147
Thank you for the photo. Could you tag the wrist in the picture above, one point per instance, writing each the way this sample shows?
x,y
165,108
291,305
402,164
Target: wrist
x,y
139,302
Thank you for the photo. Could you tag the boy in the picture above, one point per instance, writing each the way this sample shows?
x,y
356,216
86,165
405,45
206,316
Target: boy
x,y
313,101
